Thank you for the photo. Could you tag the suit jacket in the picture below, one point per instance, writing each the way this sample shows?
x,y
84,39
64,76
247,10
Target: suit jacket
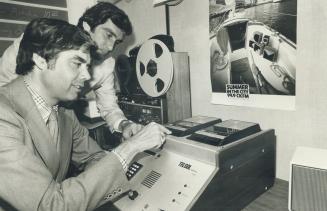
x,y
102,82
32,171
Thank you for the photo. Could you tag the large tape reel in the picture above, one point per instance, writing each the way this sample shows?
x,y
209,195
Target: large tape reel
x,y
154,68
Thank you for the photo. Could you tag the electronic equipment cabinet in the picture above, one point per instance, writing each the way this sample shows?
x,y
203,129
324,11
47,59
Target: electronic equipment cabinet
x,y
246,170
174,105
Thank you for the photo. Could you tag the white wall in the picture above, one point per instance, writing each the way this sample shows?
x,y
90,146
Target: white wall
x,y
146,20
76,8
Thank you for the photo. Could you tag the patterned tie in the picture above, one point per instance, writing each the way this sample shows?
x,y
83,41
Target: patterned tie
x,y
53,126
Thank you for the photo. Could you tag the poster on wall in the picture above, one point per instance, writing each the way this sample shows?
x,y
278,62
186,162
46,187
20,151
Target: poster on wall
x,y
253,52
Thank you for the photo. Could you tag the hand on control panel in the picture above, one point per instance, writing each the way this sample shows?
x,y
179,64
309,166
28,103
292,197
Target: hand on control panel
x,y
129,128
150,136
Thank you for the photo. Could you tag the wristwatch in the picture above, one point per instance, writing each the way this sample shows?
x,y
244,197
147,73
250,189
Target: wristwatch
x,y
124,123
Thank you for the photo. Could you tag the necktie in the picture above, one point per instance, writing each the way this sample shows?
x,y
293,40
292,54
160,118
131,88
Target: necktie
x,y
53,126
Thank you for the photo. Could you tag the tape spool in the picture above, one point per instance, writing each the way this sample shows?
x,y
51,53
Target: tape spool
x,y
154,68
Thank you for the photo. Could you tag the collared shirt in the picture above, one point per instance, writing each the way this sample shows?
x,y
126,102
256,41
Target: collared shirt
x,y
41,105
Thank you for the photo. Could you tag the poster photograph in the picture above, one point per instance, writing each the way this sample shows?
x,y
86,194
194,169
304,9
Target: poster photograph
x,y
253,52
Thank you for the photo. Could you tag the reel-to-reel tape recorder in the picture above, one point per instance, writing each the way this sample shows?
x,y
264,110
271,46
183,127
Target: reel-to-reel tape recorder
x,y
154,82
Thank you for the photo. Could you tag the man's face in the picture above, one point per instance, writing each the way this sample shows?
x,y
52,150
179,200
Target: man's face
x,y
66,74
106,36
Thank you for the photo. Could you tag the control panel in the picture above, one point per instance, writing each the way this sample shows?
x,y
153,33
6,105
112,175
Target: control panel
x,y
167,181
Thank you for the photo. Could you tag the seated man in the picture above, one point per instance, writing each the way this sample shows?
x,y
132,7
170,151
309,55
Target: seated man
x,y
107,26
39,138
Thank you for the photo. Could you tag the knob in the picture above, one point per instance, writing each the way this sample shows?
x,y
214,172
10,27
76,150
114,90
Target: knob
x,y
132,194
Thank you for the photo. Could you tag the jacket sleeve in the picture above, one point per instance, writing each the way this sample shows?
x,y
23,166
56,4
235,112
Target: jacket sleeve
x,y
27,184
106,94
85,151
8,62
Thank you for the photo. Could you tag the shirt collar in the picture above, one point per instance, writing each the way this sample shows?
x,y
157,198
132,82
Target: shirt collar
x,y
40,103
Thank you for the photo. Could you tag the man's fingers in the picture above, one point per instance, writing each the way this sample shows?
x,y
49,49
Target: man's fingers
x,y
160,127
132,130
136,128
162,141
166,131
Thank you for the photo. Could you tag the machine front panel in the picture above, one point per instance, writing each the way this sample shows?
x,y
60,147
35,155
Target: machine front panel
x,y
167,181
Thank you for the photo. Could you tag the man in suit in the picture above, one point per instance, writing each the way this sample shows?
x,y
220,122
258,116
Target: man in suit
x,y
107,25
39,138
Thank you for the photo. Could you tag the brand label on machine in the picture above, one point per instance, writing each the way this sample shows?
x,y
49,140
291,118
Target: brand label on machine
x,y
184,165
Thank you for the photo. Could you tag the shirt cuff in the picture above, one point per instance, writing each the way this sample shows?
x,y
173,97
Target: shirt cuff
x,y
121,159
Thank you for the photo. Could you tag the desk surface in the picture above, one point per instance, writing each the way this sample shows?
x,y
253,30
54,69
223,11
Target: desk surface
x,y
275,199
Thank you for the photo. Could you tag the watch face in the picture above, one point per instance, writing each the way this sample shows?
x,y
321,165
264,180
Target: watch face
x,y
123,124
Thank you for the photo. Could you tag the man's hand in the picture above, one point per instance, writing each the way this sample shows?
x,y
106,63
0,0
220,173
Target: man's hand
x,y
151,136
129,128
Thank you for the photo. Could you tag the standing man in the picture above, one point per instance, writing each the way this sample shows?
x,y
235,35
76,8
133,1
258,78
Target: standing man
x,y
107,25
38,138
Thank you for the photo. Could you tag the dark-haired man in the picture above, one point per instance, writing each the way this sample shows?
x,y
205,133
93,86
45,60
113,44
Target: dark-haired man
x,y
107,25
38,138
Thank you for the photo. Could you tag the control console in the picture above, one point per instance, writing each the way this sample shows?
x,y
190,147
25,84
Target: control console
x,y
190,173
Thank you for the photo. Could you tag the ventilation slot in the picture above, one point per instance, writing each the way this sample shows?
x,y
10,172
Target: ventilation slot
x,y
151,179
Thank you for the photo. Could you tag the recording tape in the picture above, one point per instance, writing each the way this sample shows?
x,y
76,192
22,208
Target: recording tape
x,y
154,68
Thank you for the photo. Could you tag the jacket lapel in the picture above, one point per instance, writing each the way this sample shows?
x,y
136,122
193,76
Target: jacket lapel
x,y
25,107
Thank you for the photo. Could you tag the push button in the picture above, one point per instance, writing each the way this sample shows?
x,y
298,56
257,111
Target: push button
x,y
133,169
109,196
132,194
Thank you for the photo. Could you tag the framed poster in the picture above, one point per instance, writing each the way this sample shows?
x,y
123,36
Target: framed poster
x,y
253,52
